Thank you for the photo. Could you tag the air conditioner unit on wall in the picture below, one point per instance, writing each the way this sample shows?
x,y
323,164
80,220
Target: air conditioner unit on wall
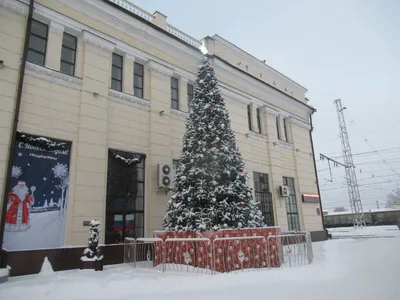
x,y
165,176
283,191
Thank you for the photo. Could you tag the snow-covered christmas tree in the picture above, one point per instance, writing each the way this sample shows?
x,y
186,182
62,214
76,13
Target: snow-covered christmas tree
x,y
92,252
210,189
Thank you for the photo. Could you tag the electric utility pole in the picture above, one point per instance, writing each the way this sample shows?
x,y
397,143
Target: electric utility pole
x,y
351,177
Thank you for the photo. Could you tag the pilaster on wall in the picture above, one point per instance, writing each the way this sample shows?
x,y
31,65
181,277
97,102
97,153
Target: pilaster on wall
x,y
91,170
159,86
80,56
54,45
275,169
127,83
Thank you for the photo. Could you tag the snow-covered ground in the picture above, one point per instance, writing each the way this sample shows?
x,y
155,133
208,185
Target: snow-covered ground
x,y
368,232
362,268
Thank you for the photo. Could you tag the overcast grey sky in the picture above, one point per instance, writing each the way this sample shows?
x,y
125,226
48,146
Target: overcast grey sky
x,y
348,49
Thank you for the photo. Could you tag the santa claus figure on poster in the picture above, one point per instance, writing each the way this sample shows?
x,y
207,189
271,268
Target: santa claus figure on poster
x,y
18,208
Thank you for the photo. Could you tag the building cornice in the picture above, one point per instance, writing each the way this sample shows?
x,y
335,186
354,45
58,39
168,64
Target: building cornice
x,y
53,76
259,63
15,7
234,95
56,28
299,123
97,41
156,67
263,88
271,111
140,56
128,99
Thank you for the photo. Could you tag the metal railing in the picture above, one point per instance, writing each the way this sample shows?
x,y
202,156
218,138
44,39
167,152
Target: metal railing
x,y
222,255
128,5
183,36
188,255
144,253
289,250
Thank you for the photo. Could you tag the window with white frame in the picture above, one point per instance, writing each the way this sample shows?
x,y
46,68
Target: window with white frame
x,y
174,93
37,43
138,80
68,54
116,75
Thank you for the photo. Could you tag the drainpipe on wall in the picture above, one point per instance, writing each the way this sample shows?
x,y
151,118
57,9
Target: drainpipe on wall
x,y
3,258
316,175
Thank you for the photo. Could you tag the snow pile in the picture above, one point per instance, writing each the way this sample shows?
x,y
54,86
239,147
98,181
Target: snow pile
x,y
3,272
367,232
126,161
46,269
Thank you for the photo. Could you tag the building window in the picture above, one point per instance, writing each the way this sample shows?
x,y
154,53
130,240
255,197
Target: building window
x,y
189,93
259,120
278,130
249,115
291,205
138,80
68,54
174,93
286,130
37,43
264,197
116,76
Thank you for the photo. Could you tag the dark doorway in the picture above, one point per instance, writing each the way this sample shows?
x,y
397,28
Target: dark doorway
x,y
264,197
125,196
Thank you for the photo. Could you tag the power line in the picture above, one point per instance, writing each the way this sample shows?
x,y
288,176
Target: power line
x,y
368,184
365,153
365,178
373,148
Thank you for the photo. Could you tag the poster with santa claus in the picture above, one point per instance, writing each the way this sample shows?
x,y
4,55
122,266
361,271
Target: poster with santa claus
x,y
38,195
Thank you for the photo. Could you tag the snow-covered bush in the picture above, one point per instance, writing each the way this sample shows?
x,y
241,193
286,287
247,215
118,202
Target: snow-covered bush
x,y
92,252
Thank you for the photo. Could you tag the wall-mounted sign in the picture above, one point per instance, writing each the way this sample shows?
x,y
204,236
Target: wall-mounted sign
x,y
309,198
36,208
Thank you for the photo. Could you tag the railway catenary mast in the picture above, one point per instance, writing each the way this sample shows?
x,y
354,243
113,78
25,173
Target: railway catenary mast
x,y
351,177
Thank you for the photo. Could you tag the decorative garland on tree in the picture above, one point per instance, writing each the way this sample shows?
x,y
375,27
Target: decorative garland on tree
x,y
40,142
127,162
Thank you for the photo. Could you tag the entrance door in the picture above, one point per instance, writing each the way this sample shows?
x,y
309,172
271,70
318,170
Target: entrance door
x,y
125,197
264,197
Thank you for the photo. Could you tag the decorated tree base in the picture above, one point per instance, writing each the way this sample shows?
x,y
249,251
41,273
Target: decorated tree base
x,y
228,254
96,265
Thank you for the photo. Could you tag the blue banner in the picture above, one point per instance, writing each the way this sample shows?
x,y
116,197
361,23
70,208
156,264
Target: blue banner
x,y
38,195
